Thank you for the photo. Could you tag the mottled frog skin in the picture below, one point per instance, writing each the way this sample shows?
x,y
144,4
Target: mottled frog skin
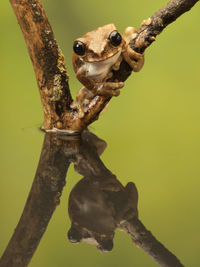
x,y
96,54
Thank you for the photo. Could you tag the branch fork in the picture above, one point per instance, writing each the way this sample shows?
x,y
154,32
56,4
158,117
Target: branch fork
x,y
49,65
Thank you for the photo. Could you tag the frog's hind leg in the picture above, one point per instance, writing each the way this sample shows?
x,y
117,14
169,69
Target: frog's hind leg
x,y
81,101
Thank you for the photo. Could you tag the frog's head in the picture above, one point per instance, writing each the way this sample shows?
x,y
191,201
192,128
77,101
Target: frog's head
x,y
77,234
99,45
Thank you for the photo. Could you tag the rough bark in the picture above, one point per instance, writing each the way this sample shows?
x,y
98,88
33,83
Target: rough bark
x,y
153,26
49,66
47,59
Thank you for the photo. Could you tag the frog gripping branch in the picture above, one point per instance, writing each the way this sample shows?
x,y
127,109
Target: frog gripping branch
x,y
102,74
96,56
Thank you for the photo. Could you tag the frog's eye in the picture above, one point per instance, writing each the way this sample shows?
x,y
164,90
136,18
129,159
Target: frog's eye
x,y
79,48
115,38
74,236
105,246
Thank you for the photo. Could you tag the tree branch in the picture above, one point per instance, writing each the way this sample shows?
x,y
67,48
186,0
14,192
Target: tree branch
x,y
47,59
153,26
49,66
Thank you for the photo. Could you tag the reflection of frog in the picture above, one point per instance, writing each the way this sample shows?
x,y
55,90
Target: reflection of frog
x,y
97,206
95,55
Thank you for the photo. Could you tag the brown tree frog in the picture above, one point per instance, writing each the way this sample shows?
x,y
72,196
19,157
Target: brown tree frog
x,y
95,55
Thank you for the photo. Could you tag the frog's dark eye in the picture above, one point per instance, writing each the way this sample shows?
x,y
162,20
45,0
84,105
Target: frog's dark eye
x,y
115,38
79,48
105,246
74,236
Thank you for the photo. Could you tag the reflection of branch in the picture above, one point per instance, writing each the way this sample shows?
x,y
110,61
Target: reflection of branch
x,y
99,203
41,203
50,70
145,240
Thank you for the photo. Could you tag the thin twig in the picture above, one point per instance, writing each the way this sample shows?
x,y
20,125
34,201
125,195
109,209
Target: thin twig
x,y
153,26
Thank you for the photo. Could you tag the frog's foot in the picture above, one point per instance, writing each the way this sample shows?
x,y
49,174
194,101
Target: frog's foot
x,y
130,33
134,59
110,88
79,108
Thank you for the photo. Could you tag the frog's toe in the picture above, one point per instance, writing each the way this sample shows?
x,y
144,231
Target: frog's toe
x,y
74,105
120,85
81,113
114,85
115,92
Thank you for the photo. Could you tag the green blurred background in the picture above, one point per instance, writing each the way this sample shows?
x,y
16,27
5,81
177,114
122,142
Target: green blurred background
x,y
152,131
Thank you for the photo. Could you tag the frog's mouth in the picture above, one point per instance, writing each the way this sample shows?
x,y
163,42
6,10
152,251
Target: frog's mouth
x,y
103,58
99,69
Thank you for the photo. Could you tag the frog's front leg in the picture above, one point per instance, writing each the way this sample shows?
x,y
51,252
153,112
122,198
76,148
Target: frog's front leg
x,y
110,88
85,93
134,59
